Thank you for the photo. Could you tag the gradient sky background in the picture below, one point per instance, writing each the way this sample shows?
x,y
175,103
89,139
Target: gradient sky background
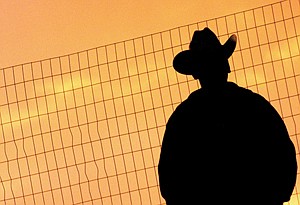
x,y
34,30
43,146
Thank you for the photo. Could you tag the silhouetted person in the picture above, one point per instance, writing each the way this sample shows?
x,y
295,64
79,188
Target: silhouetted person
x,y
224,144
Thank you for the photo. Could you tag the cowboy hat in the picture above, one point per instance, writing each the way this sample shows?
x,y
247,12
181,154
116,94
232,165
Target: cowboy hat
x,y
204,44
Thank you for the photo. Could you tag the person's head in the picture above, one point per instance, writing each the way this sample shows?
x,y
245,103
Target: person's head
x,y
206,59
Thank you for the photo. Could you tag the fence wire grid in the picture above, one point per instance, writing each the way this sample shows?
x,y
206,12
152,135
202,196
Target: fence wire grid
x,y
86,128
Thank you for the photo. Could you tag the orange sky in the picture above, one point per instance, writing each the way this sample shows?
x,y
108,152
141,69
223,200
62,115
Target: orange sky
x,y
33,30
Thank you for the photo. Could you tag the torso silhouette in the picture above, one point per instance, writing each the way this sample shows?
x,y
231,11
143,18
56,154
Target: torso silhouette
x,y
226,148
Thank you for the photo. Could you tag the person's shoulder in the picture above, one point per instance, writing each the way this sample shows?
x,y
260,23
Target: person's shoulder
x,y
249,98
193,97
236,89
247,93
187,104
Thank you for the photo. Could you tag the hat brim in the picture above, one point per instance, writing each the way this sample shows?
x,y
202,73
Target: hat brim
x,y
185,61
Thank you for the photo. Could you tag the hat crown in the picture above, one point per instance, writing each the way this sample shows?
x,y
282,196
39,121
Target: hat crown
x,y
204,40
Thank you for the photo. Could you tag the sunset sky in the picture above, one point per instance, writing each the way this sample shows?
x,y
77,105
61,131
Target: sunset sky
x,y
34,30
87,126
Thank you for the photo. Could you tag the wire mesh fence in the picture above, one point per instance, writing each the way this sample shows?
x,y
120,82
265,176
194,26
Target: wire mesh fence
x,y
86,128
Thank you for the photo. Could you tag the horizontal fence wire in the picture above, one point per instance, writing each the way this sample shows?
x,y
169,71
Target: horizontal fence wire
x,y
86,128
